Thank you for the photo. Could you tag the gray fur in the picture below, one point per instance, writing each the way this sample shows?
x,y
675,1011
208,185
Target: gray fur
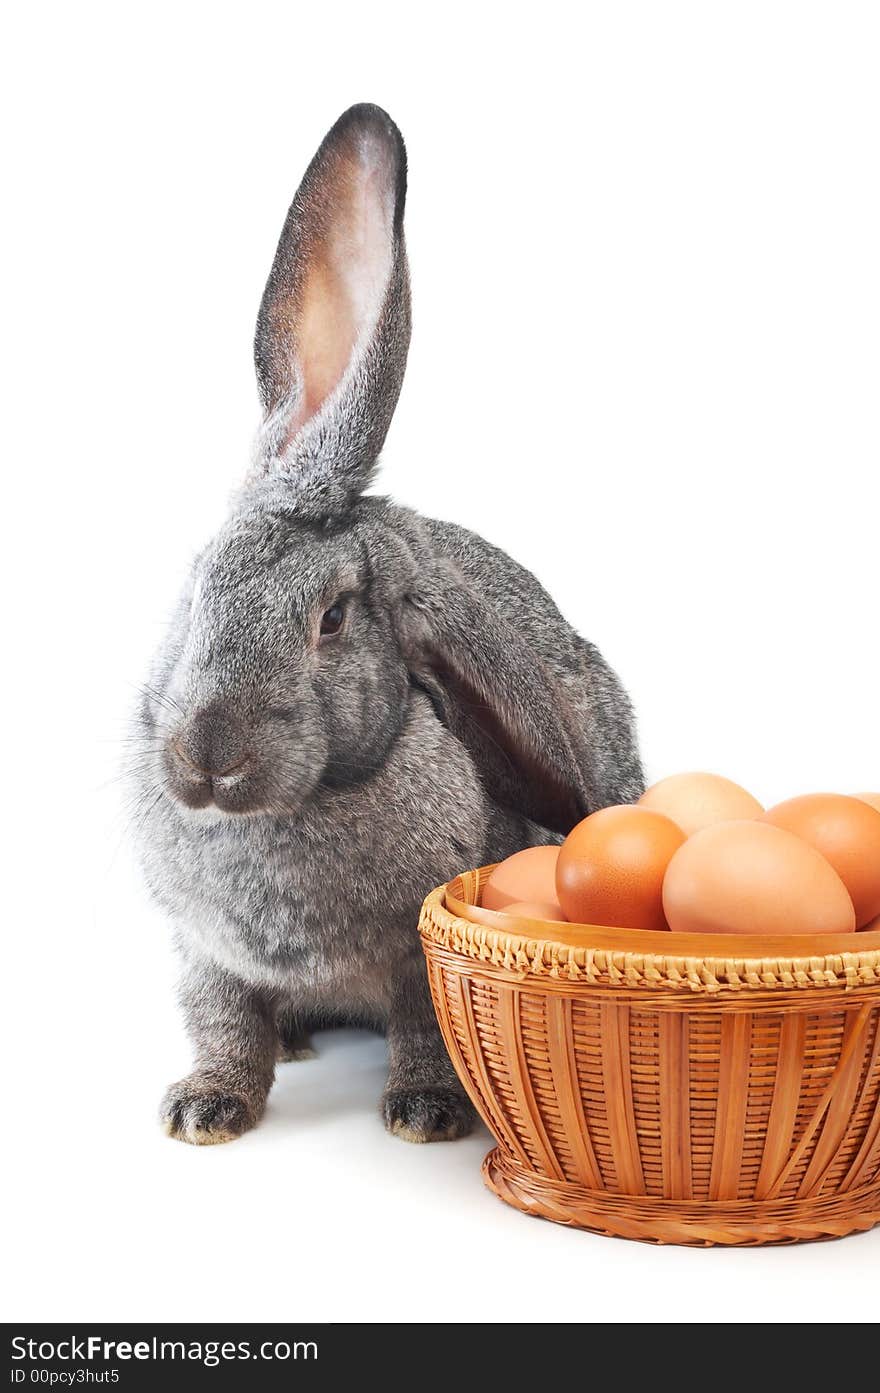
x,y
301,793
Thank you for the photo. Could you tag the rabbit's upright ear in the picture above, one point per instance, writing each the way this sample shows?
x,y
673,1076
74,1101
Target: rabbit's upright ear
x,y
512,706
334,324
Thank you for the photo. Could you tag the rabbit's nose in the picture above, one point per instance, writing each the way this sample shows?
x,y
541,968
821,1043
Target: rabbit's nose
x,y
212,742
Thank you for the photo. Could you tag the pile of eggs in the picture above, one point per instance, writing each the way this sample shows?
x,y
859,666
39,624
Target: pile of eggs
x,y
698,854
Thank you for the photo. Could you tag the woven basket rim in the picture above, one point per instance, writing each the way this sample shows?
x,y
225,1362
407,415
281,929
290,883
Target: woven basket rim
x,y
629,965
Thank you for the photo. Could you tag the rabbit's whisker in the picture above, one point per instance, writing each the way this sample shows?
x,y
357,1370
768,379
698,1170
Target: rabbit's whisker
x,y
131,740
129,769
162,698
143,816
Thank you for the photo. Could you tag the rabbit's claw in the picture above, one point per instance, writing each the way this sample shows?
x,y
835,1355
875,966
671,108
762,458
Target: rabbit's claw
x,y
203,1114
297,1051
427,1114
294,1044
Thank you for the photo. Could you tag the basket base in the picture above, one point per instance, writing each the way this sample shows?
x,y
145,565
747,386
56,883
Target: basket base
x,y
693,1223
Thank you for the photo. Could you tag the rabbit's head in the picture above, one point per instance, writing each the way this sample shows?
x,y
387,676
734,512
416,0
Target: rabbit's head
x,y
288,670
315,609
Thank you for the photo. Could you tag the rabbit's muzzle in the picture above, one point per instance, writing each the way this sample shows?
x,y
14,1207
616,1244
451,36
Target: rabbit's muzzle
x,y
209,760
212,742
242,757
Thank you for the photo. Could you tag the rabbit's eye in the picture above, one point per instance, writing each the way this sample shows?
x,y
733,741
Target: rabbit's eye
x,y
331,620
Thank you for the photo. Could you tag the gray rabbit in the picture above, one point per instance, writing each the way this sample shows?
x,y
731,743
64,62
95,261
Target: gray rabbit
x,y
353,703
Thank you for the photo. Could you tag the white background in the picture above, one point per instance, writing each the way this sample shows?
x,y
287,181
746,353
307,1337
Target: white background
x,y
644,244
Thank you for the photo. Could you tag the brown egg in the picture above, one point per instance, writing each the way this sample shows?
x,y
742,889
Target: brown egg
x,y
699,800
750,877
872,798
533,909
611,868
847,833
528,875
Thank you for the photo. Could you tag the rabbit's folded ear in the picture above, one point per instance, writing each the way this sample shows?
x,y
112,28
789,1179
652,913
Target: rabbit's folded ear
x,y
334,324
502,701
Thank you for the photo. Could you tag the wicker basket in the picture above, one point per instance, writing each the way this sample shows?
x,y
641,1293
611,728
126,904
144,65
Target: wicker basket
x,y
649,1085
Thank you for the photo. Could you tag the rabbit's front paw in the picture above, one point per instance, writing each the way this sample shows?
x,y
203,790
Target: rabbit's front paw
x,y
197,1111
427,1114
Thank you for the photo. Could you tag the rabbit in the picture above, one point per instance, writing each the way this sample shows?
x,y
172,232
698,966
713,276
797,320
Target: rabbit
x,y
352,703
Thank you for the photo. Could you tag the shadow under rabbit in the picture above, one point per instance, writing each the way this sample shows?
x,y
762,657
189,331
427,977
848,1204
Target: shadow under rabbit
x,y
345,1076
